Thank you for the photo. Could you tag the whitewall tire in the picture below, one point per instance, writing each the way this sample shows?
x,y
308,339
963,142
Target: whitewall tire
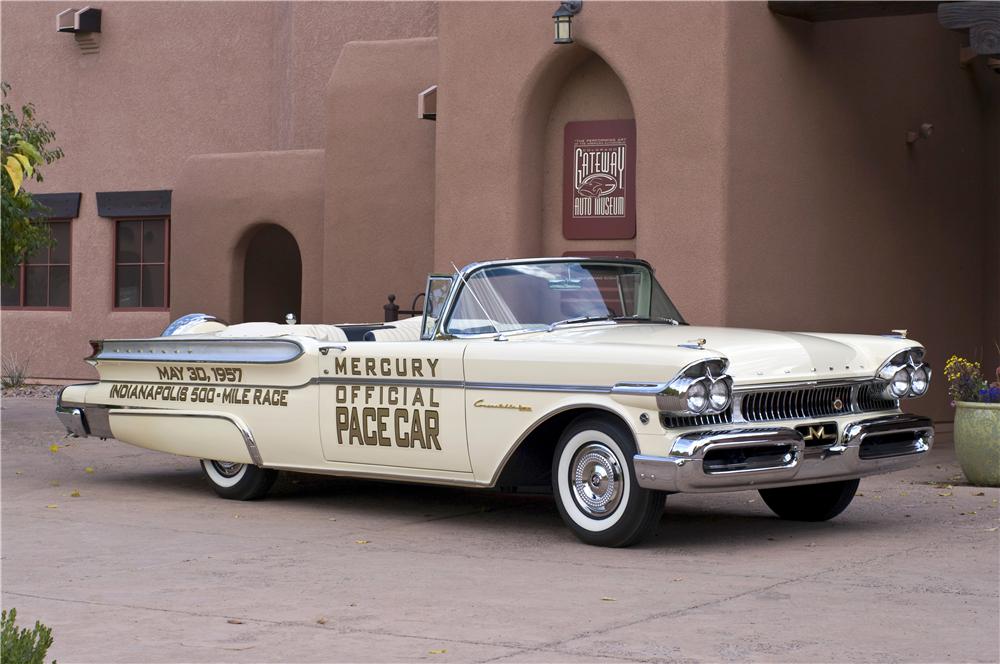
x,y
238,481
595,487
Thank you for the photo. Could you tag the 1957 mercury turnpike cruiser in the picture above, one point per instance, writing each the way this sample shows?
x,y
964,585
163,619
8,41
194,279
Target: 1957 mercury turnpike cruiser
x,y
571,371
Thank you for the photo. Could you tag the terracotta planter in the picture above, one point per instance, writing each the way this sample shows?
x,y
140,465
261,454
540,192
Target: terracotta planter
x,y
977,441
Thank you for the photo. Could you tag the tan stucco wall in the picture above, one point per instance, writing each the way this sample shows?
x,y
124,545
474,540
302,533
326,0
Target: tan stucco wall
x,y
171,79
835,222
219,202
379,178
499,84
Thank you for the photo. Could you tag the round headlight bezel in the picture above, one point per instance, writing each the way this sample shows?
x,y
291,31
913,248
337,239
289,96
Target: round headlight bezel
x,y
925,381
902,376
720,394
699,385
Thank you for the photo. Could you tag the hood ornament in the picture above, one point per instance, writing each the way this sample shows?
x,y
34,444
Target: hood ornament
x,y
696,344
899,333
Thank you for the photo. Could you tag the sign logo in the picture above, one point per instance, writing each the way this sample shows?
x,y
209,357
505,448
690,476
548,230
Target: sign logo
x,y
818,434
599,180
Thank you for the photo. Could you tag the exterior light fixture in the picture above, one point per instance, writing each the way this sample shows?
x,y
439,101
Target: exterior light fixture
x,y
925,131
563,20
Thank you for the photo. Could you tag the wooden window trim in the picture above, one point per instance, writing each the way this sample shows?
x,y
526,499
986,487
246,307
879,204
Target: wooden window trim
x,y
23,277
165,263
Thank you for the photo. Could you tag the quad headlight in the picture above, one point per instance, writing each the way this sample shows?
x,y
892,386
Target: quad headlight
x,y
904,375
702,389
920,380
696,396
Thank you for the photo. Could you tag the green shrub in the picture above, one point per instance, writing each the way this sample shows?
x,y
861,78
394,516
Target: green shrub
x,y
23,646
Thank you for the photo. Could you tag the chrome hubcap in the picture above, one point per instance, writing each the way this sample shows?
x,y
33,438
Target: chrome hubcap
x,y
227,468
597,482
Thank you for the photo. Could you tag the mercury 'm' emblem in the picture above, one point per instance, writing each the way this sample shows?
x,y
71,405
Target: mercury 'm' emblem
x,y
838,404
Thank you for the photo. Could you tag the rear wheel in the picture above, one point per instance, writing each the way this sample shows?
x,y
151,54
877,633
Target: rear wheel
x,y
811,502
238,481
595,486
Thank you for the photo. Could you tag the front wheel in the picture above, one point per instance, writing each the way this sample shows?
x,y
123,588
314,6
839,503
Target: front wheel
x,y
811,502
238,481
595,487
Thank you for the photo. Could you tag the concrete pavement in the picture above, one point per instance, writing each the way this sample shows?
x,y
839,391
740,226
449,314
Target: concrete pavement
x,y
146,564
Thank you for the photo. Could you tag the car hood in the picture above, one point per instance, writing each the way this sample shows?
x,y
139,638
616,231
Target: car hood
x,y
755,356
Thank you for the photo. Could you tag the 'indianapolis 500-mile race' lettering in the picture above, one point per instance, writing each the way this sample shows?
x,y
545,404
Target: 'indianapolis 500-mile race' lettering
x,y
241,396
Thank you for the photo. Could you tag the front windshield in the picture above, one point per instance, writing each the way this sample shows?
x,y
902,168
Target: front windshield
x,y
537,296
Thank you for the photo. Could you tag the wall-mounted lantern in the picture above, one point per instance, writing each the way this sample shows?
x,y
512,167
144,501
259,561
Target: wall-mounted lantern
x,y
924,132
563,20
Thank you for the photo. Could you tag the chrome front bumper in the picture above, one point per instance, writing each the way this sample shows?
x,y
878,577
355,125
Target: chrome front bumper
x,y
81,420
759,458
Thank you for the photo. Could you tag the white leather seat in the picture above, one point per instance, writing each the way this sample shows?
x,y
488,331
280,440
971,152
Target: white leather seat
x,y
407,329
267,330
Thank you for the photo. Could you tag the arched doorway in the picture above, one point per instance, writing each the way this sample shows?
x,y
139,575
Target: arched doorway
x,y
272,275
591,91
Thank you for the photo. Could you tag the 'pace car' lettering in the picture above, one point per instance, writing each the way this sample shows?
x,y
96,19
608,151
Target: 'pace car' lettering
x,y
247,396
413,419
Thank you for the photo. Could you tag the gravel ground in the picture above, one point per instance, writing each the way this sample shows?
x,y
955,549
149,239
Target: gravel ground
x,y
32,392
129,557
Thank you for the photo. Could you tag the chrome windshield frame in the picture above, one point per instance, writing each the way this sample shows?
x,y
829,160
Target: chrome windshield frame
x,y
464,273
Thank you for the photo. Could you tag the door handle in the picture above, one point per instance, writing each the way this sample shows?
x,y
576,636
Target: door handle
x,y
326,349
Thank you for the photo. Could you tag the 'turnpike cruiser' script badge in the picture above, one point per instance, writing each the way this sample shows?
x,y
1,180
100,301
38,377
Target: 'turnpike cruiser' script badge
x,y
599,180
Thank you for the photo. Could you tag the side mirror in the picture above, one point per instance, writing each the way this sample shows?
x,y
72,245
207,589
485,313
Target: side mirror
x,y
438,288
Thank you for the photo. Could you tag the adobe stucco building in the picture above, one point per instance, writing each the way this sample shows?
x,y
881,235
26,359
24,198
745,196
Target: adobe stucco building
x,y
283,167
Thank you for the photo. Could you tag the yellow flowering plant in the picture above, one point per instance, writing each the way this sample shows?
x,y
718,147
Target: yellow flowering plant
x,y
966,381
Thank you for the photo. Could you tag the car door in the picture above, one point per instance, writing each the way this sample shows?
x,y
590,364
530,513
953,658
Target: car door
x,y
394,403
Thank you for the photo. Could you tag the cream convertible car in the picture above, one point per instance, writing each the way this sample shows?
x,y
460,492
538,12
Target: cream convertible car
x,y
579,372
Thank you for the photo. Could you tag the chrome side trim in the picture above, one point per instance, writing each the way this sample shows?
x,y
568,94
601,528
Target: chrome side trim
x,y
222,351
527,387
184,383
241,426
344,380
459,384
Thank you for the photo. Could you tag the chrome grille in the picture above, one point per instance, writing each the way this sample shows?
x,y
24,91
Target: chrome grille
x,y
804,403
869,399
671,422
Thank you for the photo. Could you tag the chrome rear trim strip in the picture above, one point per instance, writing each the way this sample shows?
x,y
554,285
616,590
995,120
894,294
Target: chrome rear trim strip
x,y
244,430
222,351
